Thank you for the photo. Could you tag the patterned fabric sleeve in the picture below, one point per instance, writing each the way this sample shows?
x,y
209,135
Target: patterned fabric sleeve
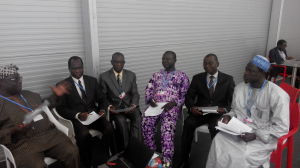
x,y
150,89
185,83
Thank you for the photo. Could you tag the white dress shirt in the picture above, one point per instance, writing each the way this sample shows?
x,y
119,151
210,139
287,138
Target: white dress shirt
x,y
215,79
76,85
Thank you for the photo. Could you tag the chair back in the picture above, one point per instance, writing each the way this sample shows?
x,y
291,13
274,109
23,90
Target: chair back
x,y
291,91
294,106
294,115
6,158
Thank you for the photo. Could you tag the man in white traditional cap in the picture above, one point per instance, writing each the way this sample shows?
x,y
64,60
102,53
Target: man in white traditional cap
x,y
264,107
30,143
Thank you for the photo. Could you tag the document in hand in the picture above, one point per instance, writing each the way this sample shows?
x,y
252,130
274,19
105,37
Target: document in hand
x,y
155,111
234,127
93,116
207,110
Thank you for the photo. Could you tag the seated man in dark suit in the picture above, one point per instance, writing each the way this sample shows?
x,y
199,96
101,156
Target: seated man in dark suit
x,y
84,98
279,55
120,91
30,143
210,88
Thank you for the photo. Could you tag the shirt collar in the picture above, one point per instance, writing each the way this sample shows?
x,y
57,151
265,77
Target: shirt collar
x,y
116,73
215,75
76,80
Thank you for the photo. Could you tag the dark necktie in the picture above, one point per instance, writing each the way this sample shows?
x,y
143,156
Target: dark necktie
x,y
119,80
211,86
83,94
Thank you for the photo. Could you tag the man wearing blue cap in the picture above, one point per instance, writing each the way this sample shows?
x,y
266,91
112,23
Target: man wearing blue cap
x,y
263,106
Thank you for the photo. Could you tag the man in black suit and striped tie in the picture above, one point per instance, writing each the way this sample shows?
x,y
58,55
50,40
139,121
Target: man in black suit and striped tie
x,y
85,97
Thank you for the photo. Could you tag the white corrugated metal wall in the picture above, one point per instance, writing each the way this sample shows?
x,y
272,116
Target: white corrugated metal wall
x,y
235,30
39,36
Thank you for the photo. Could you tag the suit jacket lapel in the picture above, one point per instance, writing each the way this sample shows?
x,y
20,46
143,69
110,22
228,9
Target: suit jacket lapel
x,y
219,84
87,87
124,80
204,82
74,90
114,82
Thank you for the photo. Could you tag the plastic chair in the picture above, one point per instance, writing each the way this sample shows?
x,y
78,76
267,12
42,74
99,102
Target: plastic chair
x,y
287,141
291,91
283,74
6,158
61,124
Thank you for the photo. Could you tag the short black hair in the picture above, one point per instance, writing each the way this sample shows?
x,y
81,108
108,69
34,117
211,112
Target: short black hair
x,y
170,53
212,55
280,42
117,54
74,58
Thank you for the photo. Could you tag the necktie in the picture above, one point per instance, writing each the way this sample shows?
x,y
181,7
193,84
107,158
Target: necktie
x,y
211,86
119,80
83,94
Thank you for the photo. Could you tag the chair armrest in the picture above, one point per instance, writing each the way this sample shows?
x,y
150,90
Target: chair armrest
x,y
283,138
5,154
66,123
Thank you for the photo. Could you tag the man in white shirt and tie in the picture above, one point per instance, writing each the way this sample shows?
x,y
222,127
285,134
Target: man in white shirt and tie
x,y
209,88
85,97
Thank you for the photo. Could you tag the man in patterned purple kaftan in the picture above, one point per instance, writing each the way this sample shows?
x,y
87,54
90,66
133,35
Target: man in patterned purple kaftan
x,y
168,85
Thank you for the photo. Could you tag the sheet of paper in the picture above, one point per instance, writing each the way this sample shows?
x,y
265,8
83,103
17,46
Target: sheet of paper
x,y
212,109
93,116
154,111
235,126
225,130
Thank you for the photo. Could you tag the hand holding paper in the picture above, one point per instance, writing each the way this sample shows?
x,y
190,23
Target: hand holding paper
x,y
207,110
93,116
234,127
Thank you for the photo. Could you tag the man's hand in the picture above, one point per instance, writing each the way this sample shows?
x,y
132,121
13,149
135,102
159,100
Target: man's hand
x,y
169,106
196,111
83,116
152,103
247,137
101,113
112,108
221,110
19,128
225,119
132,109
290,57
61,89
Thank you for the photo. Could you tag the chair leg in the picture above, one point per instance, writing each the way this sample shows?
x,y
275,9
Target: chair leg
x,y
278,161
196,136
290,153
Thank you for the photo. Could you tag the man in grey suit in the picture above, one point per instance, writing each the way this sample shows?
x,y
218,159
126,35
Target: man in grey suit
x,y
121,94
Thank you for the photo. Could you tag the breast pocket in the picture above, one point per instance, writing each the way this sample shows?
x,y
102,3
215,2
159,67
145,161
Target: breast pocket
x,y
262,112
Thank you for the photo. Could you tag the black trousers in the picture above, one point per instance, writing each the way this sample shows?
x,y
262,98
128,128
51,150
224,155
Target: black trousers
x,y
190,124
124,131
93,151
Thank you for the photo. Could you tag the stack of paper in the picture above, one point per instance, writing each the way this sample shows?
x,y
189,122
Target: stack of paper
x,y
155,111
207,110
234,127
93,116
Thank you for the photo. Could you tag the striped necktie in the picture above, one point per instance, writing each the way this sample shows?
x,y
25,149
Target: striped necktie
x,y
83,94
